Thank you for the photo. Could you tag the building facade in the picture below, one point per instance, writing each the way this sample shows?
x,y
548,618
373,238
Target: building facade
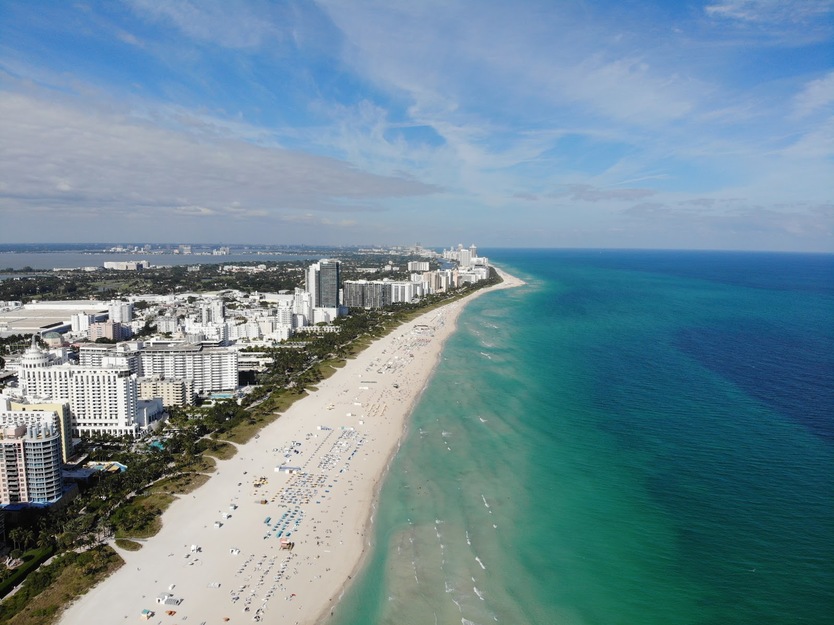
x,y
111,330
323,283
30,458
101,399
172,392
210,368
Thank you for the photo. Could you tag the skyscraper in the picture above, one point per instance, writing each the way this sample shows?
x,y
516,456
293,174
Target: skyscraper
x,y
323,283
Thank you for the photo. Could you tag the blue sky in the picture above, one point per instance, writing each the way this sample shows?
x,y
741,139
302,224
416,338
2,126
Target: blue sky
x,y
701,125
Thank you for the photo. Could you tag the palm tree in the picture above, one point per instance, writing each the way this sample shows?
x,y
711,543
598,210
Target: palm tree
x,y
16,536
45,540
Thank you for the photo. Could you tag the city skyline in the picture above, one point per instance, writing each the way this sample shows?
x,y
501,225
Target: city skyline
x,y
705,125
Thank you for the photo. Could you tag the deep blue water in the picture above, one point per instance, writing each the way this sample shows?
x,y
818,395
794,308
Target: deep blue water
x,y
633,437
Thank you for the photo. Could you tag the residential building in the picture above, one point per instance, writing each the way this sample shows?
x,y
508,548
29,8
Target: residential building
x,y
366,293
120,312
59,410
210,368
30,458
172,391
109,329
322,282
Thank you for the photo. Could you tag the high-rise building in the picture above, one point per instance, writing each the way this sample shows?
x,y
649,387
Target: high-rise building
x,y
167,323
367,294
212,311
101,399
58,411
210,368
30,458
80,322
120,312
323,283
465,258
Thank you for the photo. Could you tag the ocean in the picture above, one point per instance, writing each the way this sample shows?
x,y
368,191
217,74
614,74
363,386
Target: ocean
x,y
632,438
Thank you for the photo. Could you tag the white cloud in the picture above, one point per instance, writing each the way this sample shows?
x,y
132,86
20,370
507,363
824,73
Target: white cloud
x,y
770,11
817,143
817,94
71,161
228,24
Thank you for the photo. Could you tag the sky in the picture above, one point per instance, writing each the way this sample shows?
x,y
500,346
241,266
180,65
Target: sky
x,y
554,123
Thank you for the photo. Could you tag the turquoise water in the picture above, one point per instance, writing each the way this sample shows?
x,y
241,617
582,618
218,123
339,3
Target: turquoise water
x,y
631,438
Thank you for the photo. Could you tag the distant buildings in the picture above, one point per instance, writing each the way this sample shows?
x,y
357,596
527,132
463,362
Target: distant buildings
x,y
466,257
379,293
127,265
109,330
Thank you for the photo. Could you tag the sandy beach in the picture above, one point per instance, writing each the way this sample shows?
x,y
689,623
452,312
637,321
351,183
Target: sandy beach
x,y
310,479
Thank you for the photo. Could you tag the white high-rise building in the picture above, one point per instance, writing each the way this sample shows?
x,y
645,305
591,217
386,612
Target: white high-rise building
x,y
120,312
210,368
418,265
101,399
80,322
302,308
465,258
212,311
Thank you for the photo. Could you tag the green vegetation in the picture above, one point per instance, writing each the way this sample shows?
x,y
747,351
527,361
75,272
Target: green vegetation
x,y
139,517
31,559
47,591
180,484
128,545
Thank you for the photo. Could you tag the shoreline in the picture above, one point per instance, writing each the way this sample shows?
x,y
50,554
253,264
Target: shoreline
x,y
219,549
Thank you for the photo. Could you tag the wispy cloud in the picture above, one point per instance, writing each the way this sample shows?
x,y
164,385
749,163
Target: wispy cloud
x,y
231,25
775,21
587,193
817,94
61,156
771,11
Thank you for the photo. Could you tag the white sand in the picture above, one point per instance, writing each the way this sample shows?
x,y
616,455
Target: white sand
x,y
324,509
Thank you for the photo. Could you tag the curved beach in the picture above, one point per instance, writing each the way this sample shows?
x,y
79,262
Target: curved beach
x,y
309,480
